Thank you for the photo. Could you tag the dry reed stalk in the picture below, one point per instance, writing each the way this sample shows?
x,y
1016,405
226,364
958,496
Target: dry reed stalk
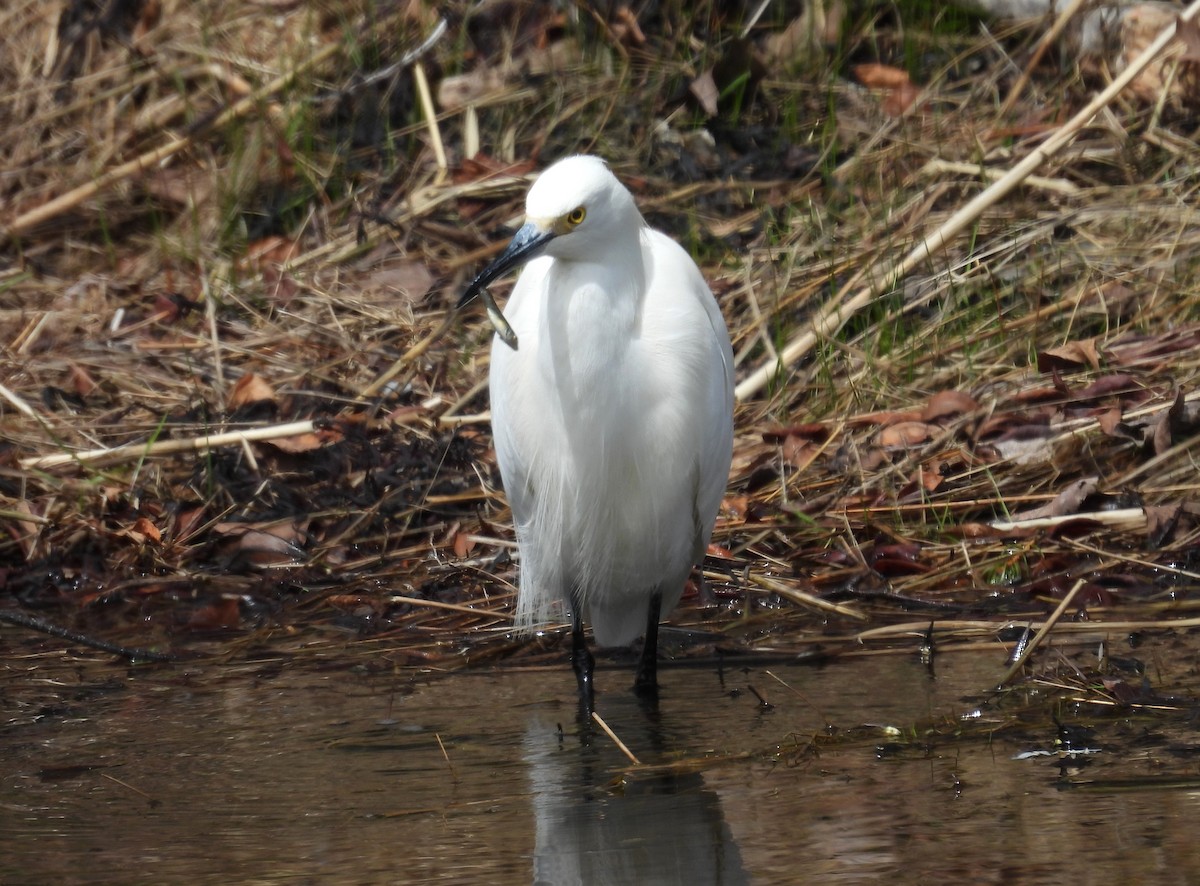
x,y
835,315
1123,520
134,451
804,599
982,627
449,607
29,220
1045,42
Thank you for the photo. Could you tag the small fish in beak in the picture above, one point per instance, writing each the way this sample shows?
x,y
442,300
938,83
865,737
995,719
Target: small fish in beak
x,y
528,243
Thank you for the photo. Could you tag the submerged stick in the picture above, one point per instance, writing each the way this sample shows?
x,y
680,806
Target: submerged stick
x,y
1041,634
45,627
612,735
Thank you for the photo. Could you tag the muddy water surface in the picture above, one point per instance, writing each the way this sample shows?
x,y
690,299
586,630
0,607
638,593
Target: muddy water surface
x,y
287,774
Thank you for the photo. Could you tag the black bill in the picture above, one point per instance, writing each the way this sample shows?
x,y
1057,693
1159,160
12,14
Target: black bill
x,y
526,244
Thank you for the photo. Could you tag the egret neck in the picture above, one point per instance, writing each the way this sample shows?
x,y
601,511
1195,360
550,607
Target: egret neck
x,y
591,319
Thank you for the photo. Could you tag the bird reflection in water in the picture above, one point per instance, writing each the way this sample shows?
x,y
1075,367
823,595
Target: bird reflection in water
x,y
652,829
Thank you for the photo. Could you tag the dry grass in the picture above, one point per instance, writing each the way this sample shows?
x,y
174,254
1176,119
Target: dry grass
x,y
301,243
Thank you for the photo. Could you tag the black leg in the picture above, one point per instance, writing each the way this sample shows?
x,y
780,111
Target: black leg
x,y
581,660
646,683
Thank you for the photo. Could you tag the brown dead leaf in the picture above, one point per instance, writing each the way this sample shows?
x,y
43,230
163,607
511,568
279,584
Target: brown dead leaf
x,y
459,90
1161,521
463,544
905,434
143,526
307,442
1136,349
897,559
151,13
736,505
404,282
899,100
873,459
1124,386
1038,394
704,89
930,476
715,550
355,601
1127,694
273,250
973,530
1169,425
141,532
1066,502
877,76
173,306
800,453
23,533
266,549
223,613
1169,74
886,417
625,27
1117,300
188,521
181,185
1025,450
114,496
820,24
83,383
900,91
1069,356
266,544
250,388
280,287
554,58
1110,422
484,165
1187,34
948,404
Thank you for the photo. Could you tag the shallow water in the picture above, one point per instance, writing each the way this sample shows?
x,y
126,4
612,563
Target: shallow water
x,y
282,774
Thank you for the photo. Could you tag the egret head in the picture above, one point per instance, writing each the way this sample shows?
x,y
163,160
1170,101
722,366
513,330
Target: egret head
x,y
572,211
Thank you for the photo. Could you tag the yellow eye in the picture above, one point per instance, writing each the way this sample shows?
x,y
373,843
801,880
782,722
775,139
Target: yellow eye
x,y
576,216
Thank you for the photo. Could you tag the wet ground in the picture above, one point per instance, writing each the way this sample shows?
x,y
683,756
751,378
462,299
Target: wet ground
x,y
279,773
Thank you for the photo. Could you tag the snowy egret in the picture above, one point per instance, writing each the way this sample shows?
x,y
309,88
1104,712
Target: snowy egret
x,y
613,416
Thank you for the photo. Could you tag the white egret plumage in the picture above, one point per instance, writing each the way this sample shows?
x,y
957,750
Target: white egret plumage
x,y
613,418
